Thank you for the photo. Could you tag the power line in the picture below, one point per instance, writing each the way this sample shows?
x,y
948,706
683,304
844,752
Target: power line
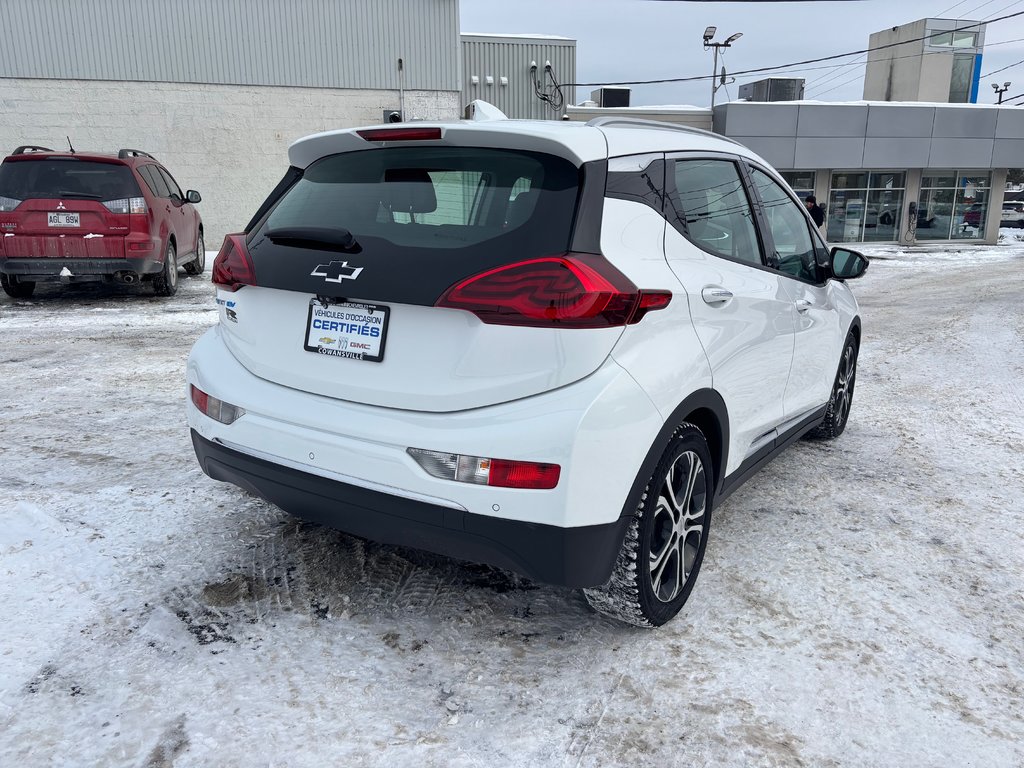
x,y
1008,5
797,63
1008,66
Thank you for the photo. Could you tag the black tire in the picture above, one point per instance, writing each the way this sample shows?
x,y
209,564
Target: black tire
x,y
166,282
838,412
198,264
16,288
666,539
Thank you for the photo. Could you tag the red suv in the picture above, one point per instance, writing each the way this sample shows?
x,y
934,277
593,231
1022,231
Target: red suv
x,y
76,217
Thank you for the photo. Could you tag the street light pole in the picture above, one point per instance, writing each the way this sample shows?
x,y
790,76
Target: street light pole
x,y
1000,91
708,34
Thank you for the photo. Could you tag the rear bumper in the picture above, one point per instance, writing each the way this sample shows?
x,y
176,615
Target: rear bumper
x,y
572,557
50,268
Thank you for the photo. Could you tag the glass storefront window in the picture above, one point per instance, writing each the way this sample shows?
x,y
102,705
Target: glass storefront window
x,y
957,211
849,180
802,182
865,207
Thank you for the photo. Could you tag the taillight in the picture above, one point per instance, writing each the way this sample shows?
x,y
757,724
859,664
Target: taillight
x,y
8,204
126,205
400,134
478,470
575,290
233,267
215,408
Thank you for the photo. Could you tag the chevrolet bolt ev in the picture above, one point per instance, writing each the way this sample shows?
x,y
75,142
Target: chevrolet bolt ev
x,y
73,217
551,347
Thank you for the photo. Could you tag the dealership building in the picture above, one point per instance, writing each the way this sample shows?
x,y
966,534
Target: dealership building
x,y
917,161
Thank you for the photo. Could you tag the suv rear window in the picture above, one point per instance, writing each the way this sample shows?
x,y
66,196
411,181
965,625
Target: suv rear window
x,y
450,198
67,178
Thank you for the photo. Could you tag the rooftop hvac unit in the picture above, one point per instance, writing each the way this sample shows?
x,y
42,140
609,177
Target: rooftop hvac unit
x,y
774,89
611,97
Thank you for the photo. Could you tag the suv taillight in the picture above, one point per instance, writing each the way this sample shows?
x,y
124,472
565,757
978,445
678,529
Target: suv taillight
x,y
574,290
126,205
233,268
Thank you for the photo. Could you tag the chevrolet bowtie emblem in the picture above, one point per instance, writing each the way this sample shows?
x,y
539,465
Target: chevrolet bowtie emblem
x,y
336,271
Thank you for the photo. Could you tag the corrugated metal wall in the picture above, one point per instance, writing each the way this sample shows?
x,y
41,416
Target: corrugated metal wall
x,y
313,43
510,57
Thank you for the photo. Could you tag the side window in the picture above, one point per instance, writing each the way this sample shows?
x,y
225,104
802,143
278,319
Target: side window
x,y
146,172
791,234
708,204
172,185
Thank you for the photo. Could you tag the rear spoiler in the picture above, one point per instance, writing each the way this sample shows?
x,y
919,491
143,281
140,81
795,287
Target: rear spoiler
x,y
24,148
126,153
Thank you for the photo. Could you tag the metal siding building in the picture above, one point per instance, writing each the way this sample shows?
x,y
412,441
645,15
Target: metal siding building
x,y
310,43
218,89
496,69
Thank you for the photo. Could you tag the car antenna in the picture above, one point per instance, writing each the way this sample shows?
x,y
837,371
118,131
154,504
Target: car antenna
x,y
69,145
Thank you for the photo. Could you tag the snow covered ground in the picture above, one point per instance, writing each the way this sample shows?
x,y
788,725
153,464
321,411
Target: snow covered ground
x,y
862,601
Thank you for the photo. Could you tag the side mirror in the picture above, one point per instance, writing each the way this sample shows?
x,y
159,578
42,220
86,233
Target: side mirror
x,y
847,264
193,197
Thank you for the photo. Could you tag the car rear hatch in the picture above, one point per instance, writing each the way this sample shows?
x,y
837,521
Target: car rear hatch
x,y
65,207
448,277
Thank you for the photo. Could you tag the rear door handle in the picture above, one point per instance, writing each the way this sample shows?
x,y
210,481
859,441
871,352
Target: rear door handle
x,y
714,294
802,305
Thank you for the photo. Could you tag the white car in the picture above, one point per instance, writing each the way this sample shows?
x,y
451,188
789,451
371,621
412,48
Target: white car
x,y
552,347
1012,214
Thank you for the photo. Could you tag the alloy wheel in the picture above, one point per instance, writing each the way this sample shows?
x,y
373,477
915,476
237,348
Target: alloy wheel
x,y
678,526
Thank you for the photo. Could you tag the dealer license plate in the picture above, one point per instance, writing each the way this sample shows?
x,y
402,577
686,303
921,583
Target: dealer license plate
x,y
61,219
348,329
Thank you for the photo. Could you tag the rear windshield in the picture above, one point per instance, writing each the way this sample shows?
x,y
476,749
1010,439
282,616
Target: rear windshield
x,y
440,198
68,178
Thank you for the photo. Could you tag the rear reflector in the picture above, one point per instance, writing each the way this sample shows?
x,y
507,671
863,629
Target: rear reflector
x,y
574,290
216,409
497,473
401,134
233,268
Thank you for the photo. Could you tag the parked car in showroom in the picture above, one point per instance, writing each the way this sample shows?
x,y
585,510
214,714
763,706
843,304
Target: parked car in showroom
x,y
1012,214
81,217
551,347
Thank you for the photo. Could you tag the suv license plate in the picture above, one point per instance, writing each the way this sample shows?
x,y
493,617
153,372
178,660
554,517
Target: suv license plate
x,y
348,329
63,219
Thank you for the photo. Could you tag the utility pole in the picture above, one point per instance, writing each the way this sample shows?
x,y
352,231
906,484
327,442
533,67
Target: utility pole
x,y
708,34
1000,91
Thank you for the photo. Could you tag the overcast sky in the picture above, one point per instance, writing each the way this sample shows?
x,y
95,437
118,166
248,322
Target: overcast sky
x,y
650,39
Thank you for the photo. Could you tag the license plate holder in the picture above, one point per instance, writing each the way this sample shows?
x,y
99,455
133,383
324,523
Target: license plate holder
x,y
62,219
351,330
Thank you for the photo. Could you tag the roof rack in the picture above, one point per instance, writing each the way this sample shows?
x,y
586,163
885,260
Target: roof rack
x,y
24,148
124,153
635,122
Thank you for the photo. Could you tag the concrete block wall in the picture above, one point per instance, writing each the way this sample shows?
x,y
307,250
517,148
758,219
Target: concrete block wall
x,y
228,142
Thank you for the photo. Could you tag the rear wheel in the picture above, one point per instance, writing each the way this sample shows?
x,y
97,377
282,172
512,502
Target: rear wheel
x,y
839,404
665,542
166,282
197,265
15,287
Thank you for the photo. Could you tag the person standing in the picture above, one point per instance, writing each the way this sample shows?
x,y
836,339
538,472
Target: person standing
x,y
816,213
